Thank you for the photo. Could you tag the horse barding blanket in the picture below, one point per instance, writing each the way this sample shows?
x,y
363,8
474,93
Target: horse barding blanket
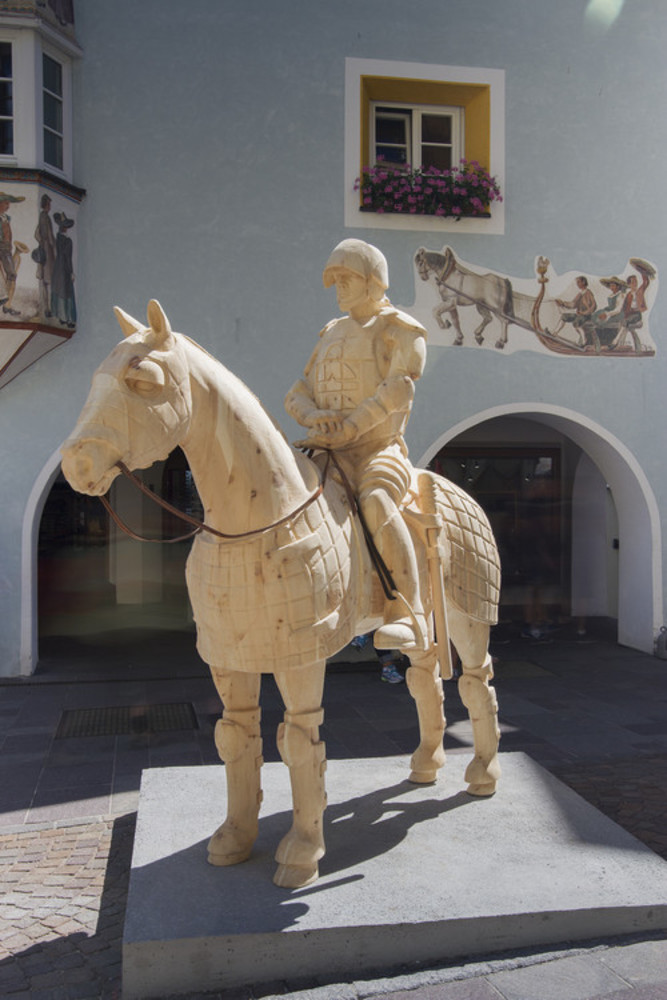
x,y
284,598
298,593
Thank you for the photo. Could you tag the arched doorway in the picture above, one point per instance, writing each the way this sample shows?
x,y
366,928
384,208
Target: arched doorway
x,y
87,585
623,492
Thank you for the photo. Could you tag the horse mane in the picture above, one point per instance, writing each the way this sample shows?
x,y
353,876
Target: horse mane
x,y
239,382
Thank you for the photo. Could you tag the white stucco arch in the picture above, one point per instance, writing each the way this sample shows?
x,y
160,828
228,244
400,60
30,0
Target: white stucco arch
x,y
32,517
640,556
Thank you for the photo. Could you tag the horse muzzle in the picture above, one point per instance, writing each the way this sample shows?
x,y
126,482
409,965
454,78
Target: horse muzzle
x,y
89,465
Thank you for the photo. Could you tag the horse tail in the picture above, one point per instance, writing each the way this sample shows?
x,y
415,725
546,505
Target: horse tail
x,y
508,304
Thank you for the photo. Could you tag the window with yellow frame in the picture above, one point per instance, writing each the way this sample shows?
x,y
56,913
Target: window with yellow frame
x,y
405,120
424,123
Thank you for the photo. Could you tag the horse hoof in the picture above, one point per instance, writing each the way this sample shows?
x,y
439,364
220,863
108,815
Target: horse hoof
x,y
423,777
295,876
482,790
227,847
499,345
457,342
223,860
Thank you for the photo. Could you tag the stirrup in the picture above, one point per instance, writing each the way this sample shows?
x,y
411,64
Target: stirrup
x,y
411,630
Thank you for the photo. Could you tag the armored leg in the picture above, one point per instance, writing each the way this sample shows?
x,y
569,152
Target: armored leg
x,y
480,700
425,686
304,754
405,631
239,744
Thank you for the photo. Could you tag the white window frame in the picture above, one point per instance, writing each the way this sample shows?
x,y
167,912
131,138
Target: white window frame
x,y
59,98
413,113
28,47
355,69
3,79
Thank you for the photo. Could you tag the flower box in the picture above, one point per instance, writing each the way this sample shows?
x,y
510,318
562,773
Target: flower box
x,y
466,191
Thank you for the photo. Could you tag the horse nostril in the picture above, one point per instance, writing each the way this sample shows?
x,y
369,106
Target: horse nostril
x,y
77,469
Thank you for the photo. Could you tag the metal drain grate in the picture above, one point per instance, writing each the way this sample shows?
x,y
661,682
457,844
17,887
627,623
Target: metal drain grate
x,y
126,720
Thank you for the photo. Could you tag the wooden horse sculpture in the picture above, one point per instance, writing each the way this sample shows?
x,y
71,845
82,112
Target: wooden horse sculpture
x,y
281,579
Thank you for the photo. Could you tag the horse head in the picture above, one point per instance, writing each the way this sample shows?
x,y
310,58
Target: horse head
x,y
421,263
138,409
441,263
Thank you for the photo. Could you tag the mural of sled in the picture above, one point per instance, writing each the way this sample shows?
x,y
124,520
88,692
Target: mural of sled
x,y
571,322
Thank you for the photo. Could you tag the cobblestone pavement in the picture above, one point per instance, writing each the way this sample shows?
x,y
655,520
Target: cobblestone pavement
x,y
61,915
594,716
631,792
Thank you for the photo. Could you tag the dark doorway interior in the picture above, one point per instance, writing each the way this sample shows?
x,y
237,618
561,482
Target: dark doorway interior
x,y
522,492
103,596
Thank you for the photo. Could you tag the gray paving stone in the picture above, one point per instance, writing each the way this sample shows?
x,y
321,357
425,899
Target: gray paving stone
x,y
639,964
577,978
653,992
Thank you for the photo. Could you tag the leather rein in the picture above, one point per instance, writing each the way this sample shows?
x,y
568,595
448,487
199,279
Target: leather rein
x,y
198,525
386,579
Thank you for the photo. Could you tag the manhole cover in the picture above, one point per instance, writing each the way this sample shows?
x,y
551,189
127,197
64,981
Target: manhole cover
x,y
126,719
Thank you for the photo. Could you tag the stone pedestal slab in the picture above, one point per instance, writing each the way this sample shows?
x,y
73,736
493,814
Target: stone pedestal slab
x,y
412,874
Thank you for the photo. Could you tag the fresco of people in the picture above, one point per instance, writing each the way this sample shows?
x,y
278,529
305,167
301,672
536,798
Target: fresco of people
x,y
574,315
38,287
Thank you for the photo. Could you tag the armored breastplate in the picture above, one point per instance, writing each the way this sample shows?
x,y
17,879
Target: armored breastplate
x,y
346,370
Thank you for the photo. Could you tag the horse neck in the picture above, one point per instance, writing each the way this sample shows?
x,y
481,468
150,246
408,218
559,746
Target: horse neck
x,y
246,473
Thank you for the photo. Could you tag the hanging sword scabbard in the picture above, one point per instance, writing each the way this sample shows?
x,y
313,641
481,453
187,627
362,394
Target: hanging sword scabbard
x,y
432,524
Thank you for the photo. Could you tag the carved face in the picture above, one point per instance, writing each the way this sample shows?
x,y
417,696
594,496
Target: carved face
x,y
137,411
351,289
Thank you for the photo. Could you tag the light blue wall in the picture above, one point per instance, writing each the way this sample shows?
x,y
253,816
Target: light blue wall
x,y
209,136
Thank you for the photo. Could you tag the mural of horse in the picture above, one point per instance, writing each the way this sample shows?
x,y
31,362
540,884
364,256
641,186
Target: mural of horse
x,y
281,577
457,285
491,294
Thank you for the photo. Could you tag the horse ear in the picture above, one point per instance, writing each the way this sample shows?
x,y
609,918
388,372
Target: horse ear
x,y
158,322
126,322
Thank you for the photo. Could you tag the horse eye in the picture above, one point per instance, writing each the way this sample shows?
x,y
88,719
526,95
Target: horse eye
x,y
145,379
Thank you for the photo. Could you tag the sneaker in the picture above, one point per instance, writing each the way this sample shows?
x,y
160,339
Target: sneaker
x,y
391,675
360,641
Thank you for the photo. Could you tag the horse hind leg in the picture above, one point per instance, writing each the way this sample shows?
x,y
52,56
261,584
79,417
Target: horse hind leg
x,y
472,643
425,686
486,319
304,754
239,744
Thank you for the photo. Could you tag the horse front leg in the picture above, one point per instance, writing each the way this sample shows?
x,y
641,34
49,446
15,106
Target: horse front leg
x,y
471,639
444,324
305,755
425,686
239,744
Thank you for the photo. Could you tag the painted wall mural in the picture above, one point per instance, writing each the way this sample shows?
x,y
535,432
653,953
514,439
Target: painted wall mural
x,y
572,315
37,271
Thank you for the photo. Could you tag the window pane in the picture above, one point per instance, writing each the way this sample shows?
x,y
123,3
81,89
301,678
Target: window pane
x,y
437,128
5,59
53,113
53,149
437,156
6,138
53,75
6,103
390,130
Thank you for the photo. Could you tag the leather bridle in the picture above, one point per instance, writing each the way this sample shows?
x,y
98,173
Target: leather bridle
x,y
198,525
